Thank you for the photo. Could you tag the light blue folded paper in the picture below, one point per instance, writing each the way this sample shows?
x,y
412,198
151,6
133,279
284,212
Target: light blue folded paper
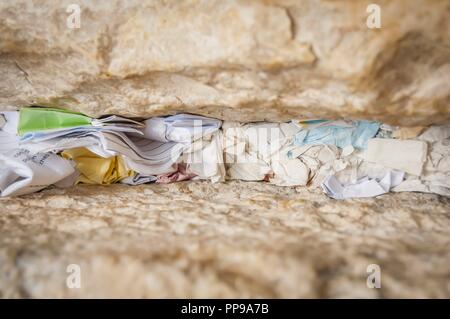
x,y
357,133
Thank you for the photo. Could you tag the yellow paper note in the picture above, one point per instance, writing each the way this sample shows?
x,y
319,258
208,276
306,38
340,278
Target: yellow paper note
x,y
95,169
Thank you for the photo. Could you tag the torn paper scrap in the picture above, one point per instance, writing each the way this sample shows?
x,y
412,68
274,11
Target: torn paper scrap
x,y
180,175
404,155
435,133
267,139
435,177
22,173
250,148
365,187
204,158
314,157
288,170
251,171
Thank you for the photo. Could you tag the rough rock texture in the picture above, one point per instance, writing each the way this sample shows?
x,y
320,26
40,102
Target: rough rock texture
x,y
197,239
240,60
236,60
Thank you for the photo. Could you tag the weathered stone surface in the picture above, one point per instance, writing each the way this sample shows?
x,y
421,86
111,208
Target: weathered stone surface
x,y
239,60
197,239
236,60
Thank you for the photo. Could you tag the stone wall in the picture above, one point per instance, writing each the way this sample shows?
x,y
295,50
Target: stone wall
x,y
238,239
238,60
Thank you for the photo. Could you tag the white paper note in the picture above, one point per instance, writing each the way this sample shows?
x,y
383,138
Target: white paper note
x,y
23,173
404,155
365,187
181,128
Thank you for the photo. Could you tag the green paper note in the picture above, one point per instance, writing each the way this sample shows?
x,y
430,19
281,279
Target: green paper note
x,y
34,119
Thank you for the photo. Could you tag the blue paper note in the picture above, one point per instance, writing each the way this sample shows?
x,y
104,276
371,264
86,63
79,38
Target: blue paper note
x,y
357,133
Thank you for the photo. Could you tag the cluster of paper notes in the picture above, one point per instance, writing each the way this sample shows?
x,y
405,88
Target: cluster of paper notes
x,y
40,147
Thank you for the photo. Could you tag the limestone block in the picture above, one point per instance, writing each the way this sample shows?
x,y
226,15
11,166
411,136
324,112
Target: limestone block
x,y
236,239
236,60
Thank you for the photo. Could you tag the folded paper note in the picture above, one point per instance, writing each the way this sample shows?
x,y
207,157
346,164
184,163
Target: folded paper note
x,y
138,179
95,169
404,155
365,187
22,172
181,128
339,133
32,119
56,121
